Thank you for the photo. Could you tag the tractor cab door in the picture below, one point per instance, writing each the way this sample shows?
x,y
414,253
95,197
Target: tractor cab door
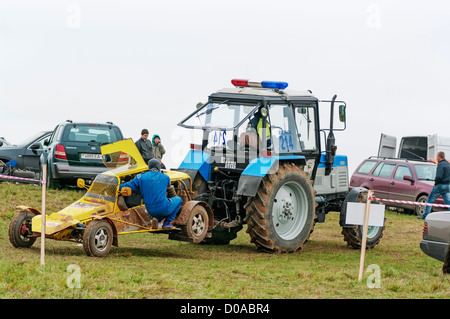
x,y
388,146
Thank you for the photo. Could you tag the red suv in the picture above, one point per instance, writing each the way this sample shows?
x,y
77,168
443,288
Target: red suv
x,y
397,179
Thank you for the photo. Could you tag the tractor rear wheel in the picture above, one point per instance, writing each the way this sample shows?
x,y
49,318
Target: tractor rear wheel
x,y
281,216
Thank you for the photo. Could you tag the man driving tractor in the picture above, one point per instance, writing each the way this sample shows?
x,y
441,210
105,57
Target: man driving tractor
x,y
153,186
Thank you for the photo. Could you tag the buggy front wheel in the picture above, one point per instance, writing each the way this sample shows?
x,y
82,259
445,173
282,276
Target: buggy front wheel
x,y
97,238
20,230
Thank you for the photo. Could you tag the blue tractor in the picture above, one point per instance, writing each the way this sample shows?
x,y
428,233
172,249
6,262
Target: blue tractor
x,y
261,162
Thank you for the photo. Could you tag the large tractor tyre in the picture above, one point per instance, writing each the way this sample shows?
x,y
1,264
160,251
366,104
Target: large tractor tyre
x,y
98,238
353,233
20,229
281,216
197,224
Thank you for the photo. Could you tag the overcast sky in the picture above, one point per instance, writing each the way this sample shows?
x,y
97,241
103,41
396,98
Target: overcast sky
x,y
146,64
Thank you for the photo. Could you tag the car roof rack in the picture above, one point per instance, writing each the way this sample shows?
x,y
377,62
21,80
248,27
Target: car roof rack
x,y
397,158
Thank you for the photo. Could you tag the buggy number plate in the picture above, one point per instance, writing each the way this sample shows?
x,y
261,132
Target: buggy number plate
x,y
91,156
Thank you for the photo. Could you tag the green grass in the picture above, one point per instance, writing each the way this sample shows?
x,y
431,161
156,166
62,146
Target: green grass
x,y
151,266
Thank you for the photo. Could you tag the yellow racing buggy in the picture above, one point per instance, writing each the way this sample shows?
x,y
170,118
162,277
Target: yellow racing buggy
x,y
105,212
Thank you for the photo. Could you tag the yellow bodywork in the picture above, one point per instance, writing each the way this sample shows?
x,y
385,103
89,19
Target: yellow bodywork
x,y
124,159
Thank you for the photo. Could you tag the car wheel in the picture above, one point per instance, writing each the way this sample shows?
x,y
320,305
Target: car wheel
x,y
419,209
446,266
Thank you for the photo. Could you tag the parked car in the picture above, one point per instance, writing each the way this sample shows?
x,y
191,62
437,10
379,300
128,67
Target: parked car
x,y
27,153
4,142
397,179
436,238
73,151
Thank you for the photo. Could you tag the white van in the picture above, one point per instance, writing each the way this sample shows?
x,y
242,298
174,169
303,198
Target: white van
x,y
413,147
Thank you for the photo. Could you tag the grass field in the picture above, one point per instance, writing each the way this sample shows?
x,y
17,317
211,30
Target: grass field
x,y
151,266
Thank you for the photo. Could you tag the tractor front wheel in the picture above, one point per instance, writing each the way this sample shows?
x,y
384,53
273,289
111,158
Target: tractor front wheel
x,y
281,216
353,233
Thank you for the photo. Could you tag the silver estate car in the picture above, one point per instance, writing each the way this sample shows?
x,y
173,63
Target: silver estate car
x,y
436,238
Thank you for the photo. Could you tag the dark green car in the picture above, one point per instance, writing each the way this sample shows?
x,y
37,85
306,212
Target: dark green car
x,y
73,151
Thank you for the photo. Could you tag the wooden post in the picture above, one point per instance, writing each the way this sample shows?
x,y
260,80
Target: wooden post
x,y
364,235
44,185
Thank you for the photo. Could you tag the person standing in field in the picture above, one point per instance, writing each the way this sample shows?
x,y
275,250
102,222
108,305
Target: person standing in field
x,y
441,184
145,146
158,148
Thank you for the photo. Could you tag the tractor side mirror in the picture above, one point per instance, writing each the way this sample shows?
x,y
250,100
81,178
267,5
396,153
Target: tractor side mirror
x,y
125,191
342,113
81,183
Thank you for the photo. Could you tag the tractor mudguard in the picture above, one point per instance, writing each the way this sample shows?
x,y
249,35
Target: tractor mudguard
x,y
258,168
351,197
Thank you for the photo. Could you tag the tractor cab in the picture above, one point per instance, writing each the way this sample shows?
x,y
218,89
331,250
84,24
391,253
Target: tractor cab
x,y
256,119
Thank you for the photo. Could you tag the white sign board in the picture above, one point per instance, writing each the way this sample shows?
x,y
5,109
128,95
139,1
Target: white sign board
x,y
355,214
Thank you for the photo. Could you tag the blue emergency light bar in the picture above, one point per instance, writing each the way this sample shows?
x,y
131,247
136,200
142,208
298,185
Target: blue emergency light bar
x,y
262,84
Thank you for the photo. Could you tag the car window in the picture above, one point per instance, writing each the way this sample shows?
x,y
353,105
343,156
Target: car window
x,y
425,172
384,170
401,171
41,141
54,133
88,133
366,167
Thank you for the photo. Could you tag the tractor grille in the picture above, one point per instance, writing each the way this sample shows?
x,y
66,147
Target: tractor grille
x,y
342,179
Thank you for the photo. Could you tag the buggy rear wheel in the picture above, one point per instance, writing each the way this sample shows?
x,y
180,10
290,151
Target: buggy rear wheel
x,y
97,238
197,224
20,229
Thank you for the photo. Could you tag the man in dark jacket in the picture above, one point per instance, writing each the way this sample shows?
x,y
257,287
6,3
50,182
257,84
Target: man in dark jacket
x,y
441,184
144,145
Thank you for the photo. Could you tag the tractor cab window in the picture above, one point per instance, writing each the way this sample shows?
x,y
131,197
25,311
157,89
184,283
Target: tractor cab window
x,y
225,115
284,133
306,127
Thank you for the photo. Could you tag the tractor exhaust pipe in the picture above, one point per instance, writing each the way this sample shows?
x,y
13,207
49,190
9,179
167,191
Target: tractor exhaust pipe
x,y
330,147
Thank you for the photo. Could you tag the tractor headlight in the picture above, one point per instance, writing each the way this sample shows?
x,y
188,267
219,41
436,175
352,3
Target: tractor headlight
x,y
264,112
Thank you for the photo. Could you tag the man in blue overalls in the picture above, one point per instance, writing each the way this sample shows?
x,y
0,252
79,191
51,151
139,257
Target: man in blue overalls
x,y
153,186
